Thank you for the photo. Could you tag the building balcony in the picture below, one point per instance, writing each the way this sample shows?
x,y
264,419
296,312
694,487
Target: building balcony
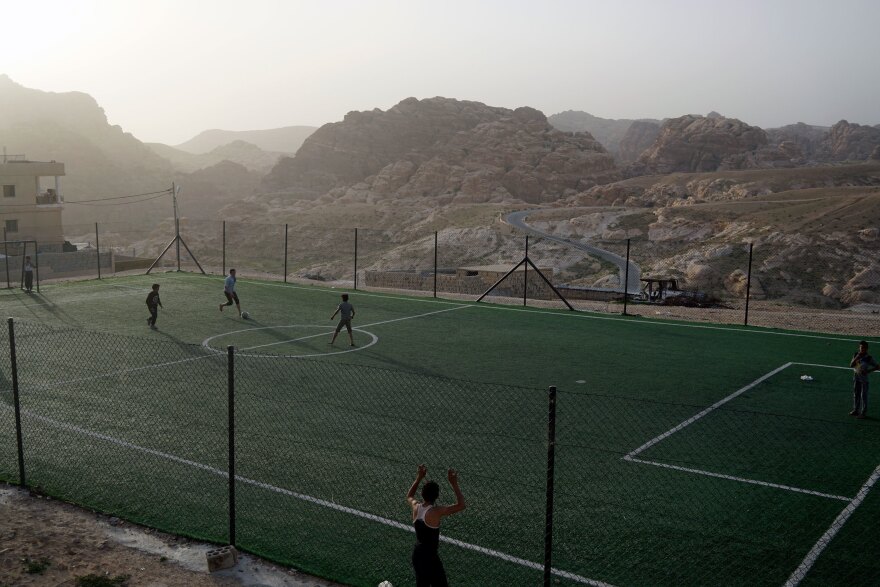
x,y
49,198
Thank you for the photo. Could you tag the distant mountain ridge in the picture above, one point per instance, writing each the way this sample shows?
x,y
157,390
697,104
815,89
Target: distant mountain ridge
x,y
286,139
791,145
608,131
249,155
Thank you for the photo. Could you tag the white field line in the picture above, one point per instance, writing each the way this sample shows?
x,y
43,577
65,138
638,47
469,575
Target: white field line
x,y
304,497
361,326
708,410
798,575
113,374
823,366
213,354
735,478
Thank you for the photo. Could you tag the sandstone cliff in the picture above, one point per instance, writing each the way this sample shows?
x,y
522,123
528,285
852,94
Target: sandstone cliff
x,y
640,136
849,141
608,131
448,150
697,143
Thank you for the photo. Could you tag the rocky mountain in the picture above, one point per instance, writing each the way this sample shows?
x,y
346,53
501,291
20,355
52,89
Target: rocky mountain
x,y
806,137
102,160
447,150
698,143
608,131
241,152
639,136
286,140
848,141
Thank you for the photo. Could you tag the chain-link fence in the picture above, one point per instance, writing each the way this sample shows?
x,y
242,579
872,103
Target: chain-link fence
x,y
771,282
602,487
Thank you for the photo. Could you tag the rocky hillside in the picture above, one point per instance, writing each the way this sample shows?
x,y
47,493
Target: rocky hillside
x,y
816,230
639,137
447,151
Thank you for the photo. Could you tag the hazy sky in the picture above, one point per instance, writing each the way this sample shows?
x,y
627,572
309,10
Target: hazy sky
x,y
168,69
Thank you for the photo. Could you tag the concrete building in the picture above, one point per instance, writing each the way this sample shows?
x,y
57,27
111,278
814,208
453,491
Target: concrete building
x,y
31,202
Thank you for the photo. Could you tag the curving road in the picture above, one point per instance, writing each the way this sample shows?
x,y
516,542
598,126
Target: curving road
x,y
517,220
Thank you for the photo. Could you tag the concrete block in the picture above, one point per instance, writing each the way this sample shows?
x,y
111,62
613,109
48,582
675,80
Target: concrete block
x,y
221,558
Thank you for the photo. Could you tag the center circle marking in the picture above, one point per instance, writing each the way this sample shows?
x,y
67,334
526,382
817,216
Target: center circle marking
x,y
244,353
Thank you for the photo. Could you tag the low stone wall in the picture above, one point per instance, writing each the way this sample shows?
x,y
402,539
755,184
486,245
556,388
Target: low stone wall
x,y
476,285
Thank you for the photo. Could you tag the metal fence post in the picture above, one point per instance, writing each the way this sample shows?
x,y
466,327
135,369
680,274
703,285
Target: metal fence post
x,y
15,401
435,263
551,461
6,258
37,263
748,285
355,258
230,350
626,279
98,250
285,253
224,247
526,272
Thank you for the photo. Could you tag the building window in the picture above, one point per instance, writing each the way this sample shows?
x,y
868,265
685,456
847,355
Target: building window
x,y
9,191
12,226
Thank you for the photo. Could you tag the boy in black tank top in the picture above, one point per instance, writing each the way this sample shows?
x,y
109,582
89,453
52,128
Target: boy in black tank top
x,y
426,521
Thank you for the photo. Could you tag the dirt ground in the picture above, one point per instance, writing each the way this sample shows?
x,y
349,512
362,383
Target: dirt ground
x,y
44,542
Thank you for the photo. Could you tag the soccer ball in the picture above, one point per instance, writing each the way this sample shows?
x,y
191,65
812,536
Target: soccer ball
x,y
245,315
386,584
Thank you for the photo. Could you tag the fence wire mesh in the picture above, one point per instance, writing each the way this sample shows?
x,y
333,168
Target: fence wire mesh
x,y
792,284
133,437
755,488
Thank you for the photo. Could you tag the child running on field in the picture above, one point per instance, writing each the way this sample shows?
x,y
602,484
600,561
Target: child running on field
x,y
153,305
229,292
346,315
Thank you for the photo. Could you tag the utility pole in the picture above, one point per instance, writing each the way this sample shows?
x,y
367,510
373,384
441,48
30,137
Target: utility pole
x,y
174,191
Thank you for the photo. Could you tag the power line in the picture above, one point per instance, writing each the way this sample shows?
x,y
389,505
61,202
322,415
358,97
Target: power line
x,y
89,202
83,202
163,192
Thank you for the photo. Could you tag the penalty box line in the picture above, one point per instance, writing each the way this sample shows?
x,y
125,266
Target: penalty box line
x,y
304,497
799,573
632,456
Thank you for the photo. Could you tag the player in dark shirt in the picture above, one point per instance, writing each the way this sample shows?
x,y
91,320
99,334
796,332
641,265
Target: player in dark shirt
x,y
153,305
426,517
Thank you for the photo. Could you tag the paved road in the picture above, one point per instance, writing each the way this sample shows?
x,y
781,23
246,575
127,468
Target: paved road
x,y
517,220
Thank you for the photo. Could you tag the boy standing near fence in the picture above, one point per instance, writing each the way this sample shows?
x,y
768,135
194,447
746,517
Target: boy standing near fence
x,y
153,304
862,364
28,275
346,314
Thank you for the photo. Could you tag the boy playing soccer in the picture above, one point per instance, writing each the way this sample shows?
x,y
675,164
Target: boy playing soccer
x,y
346,314
229,292
153,304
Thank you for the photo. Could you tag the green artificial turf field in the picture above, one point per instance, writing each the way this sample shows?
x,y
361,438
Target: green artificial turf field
x,y
686,454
